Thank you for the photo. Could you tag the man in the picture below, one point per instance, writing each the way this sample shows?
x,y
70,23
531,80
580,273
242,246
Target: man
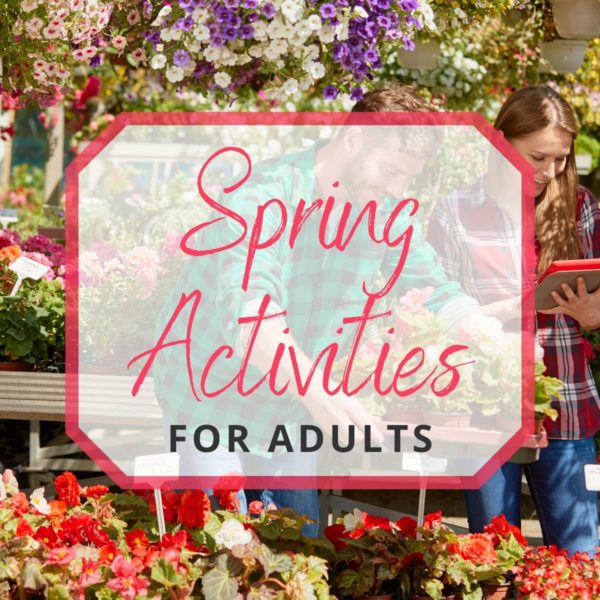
x,y
295,300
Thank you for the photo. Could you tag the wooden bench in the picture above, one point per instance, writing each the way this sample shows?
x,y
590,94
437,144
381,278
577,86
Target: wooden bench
x,y
34,397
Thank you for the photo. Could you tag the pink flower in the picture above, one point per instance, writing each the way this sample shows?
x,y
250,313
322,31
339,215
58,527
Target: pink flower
x,y
90,573
44,260
414,299
126,581
62,556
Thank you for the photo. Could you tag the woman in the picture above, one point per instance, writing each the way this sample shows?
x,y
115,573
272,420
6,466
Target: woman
x,y
540,124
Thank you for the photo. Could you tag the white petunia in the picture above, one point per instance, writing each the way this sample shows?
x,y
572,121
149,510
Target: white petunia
x,y
326,35
290,86
211,54
165,35
316,70
158,61
222,79
39,502
201,33
174,74
353,520
29,5
260,31
10,482
292,10
232,533
314,22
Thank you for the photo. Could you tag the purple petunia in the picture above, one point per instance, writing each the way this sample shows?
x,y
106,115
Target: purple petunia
x,y
409,4
327,11
250,3
371,56
408,43
330,92
357,94
181,58
246,32
268,10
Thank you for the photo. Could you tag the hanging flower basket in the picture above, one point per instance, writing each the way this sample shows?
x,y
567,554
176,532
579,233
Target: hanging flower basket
x,y
577,19
564,56
424,56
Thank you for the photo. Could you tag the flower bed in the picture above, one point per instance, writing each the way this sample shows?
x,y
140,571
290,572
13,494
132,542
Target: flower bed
x,y
89,543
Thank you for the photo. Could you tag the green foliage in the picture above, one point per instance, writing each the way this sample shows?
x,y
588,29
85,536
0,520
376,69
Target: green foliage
x,y
586,144
547,392
32,325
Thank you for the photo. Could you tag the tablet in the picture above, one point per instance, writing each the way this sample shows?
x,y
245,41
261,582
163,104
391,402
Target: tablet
x,y
566,271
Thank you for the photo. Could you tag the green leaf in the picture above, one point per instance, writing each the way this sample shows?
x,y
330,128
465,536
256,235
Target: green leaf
x,y
163,572
218,584
59,592
31,574
274,563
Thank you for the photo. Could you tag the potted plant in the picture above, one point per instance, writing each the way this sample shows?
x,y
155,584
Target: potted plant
x,y
564,56
368,561
32,322
576,19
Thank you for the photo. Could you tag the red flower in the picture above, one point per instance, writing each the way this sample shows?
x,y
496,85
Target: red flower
x,y
47,536
477,548
170,502
83,529
194,509
228,499
408,526
336,534
67,488
226,490
107,553
23,528
432,520
95,491
375,522
137,541
410,558
499,527
19,504
256,507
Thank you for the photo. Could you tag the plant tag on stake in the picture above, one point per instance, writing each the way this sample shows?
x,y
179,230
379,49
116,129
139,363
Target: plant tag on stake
x,y
592,477
158,465
26,268
8,216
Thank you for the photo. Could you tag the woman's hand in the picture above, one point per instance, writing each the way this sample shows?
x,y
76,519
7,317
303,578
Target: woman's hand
x,y
582,306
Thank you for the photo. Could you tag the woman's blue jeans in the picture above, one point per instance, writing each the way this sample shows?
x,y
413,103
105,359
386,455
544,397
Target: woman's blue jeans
x,y
568,513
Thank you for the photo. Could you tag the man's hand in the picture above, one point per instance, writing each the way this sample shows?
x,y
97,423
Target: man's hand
x,y
580,305
343,410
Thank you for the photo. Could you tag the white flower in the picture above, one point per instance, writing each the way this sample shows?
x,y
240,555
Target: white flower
x,y
39,502
260,31
275,29
359,11
222,79
29,5
158,61
314,22
292,10
174,74
242,59
342,31
11,485
201,33
256,51
316,70
290,86
232,533
193,46
327,35
176,34
33,26
211,54
353,520
538,351
200,15
165,35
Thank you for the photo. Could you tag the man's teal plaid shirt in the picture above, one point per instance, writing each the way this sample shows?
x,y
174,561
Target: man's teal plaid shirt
x,y
316,288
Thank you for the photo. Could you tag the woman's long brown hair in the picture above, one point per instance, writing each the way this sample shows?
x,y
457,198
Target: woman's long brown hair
x,y
527,111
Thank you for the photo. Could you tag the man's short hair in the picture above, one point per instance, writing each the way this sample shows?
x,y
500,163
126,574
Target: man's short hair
x,y
399,98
